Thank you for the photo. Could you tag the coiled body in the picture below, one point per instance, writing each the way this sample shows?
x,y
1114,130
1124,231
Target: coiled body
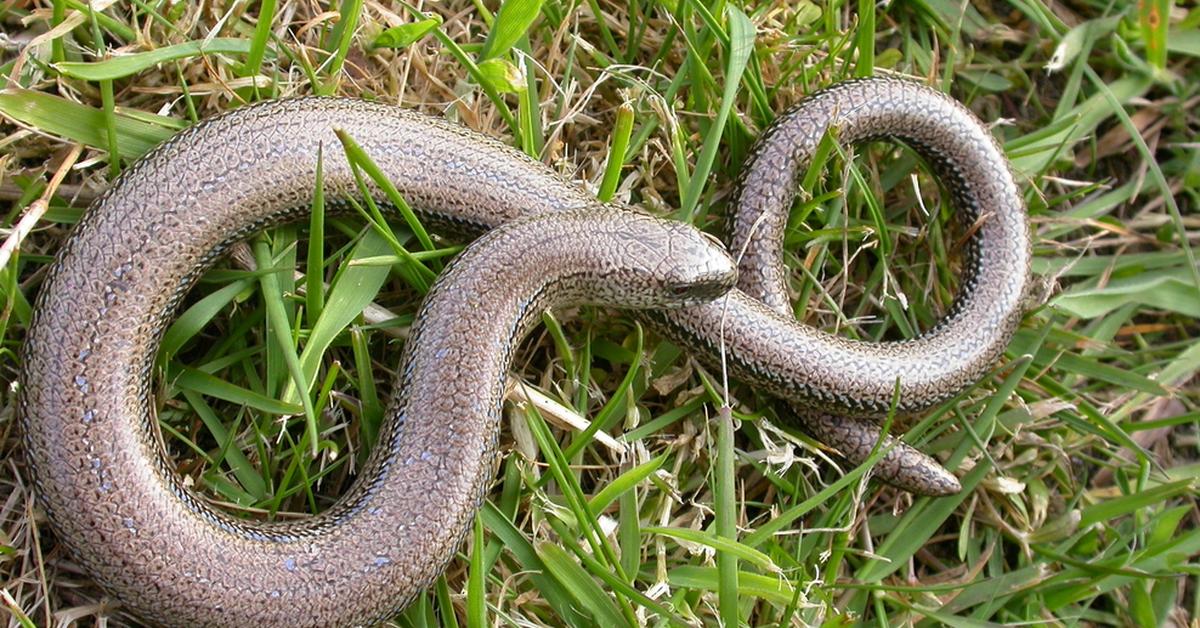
x,y
825,373
175,561
85,391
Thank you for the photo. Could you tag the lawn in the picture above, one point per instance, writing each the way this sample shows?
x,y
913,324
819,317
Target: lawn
x,y
623,495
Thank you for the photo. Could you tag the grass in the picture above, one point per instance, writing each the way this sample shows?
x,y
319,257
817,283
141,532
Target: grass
x,y
1078,455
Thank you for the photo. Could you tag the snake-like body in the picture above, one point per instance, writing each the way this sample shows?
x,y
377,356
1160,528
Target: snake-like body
x,y
85,399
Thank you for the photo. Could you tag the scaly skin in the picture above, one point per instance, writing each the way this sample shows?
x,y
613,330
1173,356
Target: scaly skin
x,y
173,560
85,393
970,338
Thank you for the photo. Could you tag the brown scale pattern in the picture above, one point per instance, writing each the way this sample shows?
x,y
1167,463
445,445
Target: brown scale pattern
x,y
85,390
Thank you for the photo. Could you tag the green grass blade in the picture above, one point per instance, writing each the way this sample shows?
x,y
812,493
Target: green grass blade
x,y
277,316
128,65
616,153
343,34
258,43
203,383
352,290
516,542
624,483
476,594
83,124
581,585
741,33
512,22
314,284
726,507
721,544
770,588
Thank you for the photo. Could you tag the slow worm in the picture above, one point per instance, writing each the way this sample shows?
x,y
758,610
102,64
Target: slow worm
x,y
85,401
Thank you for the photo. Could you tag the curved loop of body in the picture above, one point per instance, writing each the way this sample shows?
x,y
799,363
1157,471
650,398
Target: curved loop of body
x,y
85,395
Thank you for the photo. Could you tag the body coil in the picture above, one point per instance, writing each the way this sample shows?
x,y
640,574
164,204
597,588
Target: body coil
x,y
85,401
